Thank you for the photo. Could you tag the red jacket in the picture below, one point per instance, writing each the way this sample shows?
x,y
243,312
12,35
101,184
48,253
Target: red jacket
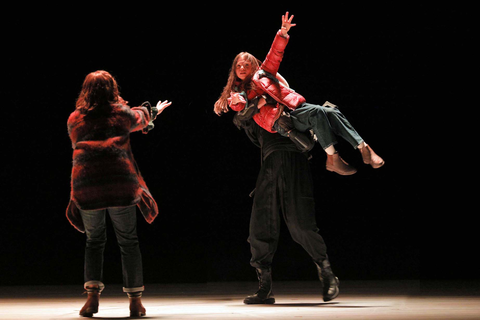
x,y
104,172
266,83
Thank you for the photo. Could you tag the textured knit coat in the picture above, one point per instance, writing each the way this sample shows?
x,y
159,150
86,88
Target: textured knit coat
x,y
104,172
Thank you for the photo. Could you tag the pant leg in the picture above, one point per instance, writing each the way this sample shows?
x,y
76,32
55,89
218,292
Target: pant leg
x,y
326,122
265,217
124,222
298,206
95,230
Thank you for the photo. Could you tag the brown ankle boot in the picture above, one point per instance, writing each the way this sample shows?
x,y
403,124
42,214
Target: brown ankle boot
x,y
336,164
136,307
91,306
370,157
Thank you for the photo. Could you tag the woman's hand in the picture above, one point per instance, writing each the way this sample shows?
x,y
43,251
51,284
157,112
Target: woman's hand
x,y
287,24
162,105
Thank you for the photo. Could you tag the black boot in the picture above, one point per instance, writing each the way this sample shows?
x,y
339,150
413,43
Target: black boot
x,y
329,281
264,294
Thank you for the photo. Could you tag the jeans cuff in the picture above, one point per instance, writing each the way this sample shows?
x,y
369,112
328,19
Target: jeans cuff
x,y
356,147
331,144
100,284
135,289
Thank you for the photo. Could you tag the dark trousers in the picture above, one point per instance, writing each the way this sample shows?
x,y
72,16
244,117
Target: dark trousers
x,y
284,186
124,222
326,123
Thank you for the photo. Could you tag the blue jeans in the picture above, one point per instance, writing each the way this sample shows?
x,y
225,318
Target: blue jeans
x,y
124,222
326,123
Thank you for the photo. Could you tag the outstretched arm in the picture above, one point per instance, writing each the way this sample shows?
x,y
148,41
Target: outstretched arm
x,y
153,113
275,55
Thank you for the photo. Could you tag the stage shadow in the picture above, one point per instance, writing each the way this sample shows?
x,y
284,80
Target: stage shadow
x,y
123,318
294,304
111,318
305,304
310,304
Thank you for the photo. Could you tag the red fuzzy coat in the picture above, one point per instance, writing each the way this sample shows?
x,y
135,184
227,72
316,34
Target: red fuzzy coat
x,y
104,172
269,85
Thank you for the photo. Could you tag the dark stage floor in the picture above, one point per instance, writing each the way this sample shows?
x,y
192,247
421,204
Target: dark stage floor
x,y
295,300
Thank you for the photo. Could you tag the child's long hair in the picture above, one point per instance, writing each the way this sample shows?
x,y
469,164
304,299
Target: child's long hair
x,y
99,89
222,105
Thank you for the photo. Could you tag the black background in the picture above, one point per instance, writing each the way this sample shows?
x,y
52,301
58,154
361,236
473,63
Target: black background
x,y
198,166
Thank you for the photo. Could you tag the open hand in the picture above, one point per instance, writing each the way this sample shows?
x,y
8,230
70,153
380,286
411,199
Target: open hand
x,y
162,105
287,24
236,98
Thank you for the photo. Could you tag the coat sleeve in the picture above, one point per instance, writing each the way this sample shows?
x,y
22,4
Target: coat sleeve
x,y
275,55
141,118
73,120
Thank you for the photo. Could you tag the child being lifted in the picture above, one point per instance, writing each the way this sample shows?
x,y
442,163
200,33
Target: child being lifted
x,y
258,89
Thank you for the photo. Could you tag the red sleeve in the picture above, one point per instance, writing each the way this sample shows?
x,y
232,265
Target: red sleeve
x,y
142,117
275,55
238,107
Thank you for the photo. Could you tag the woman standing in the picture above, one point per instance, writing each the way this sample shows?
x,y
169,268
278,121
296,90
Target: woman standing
x,y
106,178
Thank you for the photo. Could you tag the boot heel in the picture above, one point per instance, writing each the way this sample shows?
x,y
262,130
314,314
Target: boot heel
x,y
138,314
88,313
330,282
137,310
269,301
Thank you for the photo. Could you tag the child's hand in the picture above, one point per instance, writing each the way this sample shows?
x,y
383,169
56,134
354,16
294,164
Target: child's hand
x,y
287,24
235,98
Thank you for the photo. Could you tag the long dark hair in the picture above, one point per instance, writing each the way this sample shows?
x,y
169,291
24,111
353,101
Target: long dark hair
x,y
99,89
222,105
